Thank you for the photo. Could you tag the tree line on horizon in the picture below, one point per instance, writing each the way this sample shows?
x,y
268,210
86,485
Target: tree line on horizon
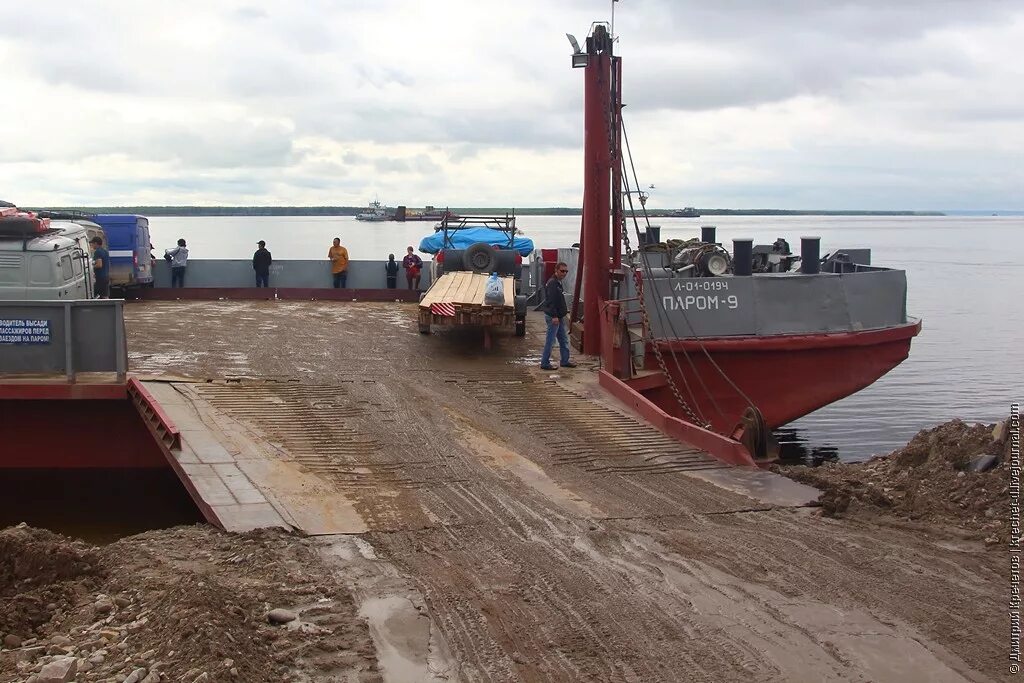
x,y
529,211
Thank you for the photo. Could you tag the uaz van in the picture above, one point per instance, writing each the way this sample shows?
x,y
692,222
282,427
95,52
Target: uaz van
x,y
52,263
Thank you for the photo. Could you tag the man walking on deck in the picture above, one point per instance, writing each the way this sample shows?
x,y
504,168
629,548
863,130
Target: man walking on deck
x,y
556,315
261,261
339,263
100,268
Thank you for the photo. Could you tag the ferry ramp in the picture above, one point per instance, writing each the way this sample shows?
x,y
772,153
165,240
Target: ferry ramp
x,y
347,458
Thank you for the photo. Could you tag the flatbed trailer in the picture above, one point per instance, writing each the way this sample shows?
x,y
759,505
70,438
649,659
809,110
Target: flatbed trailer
x,y
456,299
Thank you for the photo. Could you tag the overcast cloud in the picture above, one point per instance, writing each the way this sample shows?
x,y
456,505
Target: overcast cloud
x,y
792,104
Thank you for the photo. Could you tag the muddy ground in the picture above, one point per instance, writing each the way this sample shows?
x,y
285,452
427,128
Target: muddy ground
x,y
519,528
177,605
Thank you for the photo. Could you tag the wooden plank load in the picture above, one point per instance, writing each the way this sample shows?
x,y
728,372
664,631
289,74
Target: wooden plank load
x,y
457,298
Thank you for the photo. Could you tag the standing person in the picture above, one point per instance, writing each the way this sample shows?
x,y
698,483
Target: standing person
x,y
555,314
100,268
339,263
391,268
178,260
261,261
412,264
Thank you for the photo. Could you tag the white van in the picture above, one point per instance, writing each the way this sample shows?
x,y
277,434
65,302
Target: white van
x,y
52,266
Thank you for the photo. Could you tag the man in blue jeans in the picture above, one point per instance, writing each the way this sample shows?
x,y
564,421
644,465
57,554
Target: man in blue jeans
x,y
556,314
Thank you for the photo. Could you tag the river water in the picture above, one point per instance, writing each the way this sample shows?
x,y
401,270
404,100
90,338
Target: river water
x,y
964,274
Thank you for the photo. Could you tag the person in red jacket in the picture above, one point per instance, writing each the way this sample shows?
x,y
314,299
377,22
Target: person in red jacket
x,y
413,264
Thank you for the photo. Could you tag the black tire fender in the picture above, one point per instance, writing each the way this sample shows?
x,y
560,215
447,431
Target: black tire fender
x,y
454,259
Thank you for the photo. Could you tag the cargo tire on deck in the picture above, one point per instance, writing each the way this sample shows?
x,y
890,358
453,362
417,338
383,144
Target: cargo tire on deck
x,y
481,258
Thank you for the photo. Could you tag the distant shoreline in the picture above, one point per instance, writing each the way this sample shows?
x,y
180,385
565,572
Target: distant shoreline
x,y
466,211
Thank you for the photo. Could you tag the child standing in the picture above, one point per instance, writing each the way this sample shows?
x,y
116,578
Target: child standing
x,y
391,268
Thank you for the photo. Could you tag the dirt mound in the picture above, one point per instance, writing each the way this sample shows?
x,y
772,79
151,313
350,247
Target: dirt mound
x,y
927,480
40,570
184,604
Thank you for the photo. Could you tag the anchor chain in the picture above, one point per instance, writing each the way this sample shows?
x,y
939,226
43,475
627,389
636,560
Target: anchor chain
x,y
649,335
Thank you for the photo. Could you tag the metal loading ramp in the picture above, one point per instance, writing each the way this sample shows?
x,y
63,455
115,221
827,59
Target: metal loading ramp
x,y
241,480
348,459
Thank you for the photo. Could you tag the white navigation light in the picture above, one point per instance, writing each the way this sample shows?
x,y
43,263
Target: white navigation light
x,y
579,57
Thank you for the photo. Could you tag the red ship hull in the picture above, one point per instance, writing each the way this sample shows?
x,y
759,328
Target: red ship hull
x,y
785,376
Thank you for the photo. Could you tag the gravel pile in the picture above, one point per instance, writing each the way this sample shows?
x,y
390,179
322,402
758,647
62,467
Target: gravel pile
x,y
929,480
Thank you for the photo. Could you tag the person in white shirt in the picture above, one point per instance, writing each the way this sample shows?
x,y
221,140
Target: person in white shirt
x,y
178,258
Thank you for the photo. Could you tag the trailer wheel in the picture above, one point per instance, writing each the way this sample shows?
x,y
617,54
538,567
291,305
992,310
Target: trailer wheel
x,y
424,329
520,327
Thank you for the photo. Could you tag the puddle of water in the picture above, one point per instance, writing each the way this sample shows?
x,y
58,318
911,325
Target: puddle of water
x,y
165,359
402,638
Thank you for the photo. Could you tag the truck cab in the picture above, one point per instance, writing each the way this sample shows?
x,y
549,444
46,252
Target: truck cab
x,y
52,265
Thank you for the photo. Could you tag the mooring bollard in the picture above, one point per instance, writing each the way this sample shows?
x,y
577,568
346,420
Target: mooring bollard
x,y
810,255
742,256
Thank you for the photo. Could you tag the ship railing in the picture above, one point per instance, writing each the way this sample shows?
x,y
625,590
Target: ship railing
x,y
66,340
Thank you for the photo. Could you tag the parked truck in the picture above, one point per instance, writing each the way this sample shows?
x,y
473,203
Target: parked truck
x,y
468,252
129,244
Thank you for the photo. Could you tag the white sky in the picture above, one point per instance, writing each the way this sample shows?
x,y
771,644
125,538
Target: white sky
x,y
869,104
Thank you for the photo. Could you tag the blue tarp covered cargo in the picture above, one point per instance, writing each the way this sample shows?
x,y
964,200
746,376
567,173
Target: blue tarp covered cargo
x,y
467,237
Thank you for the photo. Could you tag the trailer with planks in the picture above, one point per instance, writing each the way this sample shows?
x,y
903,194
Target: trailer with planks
x,y
457,299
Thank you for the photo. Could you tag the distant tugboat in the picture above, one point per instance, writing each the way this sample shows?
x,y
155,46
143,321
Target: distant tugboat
x,y
374,213
688,212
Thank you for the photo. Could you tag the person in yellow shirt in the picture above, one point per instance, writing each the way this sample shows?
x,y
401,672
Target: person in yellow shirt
x,y
339,263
